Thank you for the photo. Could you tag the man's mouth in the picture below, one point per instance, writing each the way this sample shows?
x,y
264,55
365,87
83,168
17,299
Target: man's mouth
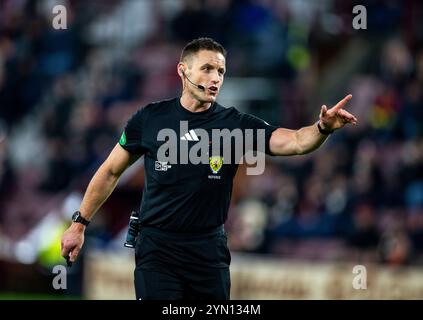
x,y
213,89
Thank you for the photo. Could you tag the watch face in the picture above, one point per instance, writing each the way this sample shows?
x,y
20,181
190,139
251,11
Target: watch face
x,y
75,216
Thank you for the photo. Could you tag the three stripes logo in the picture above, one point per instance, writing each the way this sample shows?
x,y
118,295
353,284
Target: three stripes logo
x,y
190,136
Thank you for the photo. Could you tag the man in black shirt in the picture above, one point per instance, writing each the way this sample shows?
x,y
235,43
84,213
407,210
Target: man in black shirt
x,y
181,250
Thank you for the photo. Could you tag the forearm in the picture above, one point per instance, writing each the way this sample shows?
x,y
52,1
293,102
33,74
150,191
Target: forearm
x,y
309,139
286,142
99,189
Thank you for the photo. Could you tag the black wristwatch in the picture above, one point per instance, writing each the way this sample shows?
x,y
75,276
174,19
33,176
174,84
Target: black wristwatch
x,y
76,217
324,131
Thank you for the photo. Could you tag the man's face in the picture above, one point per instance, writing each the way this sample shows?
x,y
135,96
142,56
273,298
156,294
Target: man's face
x,y
206,68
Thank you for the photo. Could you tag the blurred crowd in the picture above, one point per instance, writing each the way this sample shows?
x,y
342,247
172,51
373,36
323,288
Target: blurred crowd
x,y
65,96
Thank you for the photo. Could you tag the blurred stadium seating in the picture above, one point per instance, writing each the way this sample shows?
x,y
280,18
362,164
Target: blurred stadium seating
x,y
65,96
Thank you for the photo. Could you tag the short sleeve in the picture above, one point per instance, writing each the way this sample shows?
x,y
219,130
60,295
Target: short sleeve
x,y
249,121
131,138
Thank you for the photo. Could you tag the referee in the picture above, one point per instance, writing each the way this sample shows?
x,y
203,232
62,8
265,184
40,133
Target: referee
x,y
181,251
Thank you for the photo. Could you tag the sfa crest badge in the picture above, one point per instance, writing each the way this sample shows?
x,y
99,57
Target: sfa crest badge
x,y
216,163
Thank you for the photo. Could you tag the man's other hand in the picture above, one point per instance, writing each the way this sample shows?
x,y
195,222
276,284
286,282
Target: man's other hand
x,y
72,241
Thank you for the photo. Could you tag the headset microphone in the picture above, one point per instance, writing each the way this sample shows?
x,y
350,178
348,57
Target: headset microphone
x,y
199,86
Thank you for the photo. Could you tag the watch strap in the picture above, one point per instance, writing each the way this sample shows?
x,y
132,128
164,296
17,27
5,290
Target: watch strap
x,y
77,217
324,131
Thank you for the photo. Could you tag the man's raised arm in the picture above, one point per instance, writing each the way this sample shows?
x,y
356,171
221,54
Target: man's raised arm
x,y
286,142
99,189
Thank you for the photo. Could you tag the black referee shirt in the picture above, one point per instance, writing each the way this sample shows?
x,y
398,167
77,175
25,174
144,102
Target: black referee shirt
x,y
185,197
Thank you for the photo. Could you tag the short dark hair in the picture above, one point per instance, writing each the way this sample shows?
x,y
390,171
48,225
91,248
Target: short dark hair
x,y
202,44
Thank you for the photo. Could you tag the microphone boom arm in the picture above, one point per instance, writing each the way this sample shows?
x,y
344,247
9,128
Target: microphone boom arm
x,y
199,86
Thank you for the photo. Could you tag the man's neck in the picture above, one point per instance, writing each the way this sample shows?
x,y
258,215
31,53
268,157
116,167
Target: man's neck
x,y
193,105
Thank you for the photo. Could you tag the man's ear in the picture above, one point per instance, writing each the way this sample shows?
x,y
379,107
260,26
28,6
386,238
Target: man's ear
x,y
181,68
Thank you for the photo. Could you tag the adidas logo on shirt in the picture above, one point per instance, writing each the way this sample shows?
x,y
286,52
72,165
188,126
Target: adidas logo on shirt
x,y
190,136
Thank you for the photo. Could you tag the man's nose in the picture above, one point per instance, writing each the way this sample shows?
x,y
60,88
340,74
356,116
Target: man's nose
x,y
215,78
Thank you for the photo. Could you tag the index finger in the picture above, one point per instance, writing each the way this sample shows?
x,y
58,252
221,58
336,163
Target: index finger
x,y
342,103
